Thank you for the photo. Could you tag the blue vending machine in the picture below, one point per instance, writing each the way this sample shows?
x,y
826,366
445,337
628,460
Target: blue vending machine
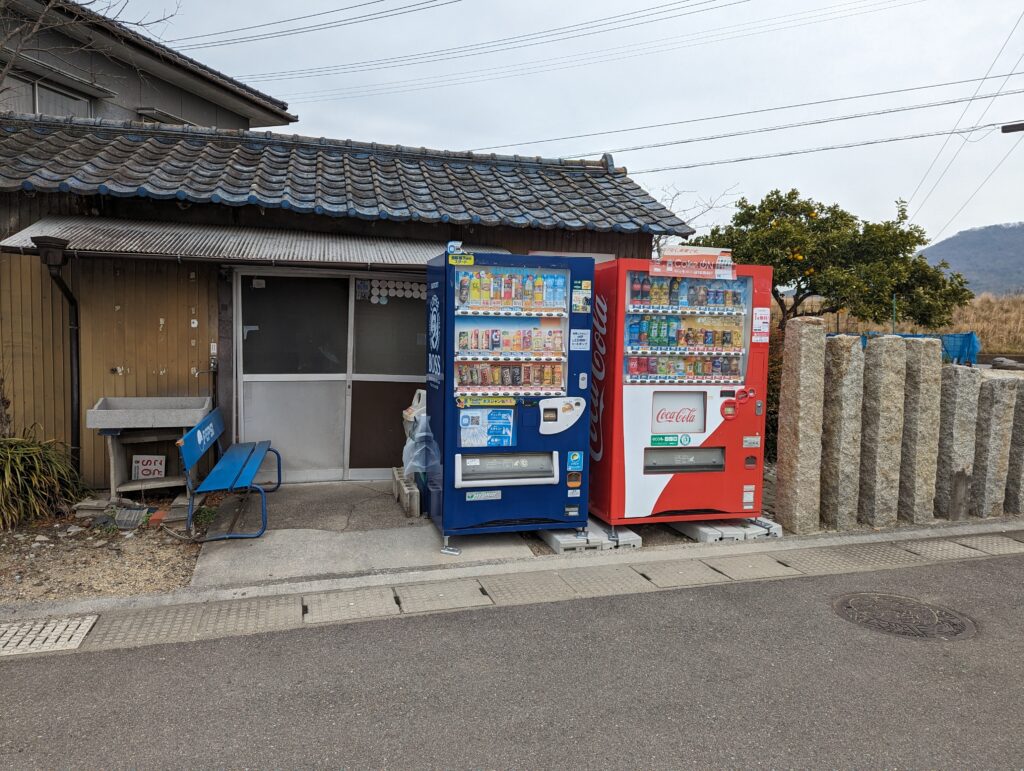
x,y
508,392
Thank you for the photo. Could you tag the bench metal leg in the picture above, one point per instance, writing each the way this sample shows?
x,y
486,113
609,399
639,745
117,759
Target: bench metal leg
x,y
191,507
263,519
278,485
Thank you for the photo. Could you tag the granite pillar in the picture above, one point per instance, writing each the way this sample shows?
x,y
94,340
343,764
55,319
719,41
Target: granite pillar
x,y
841,427
958,418
922,395
1014,503
798,487
997,401
885,369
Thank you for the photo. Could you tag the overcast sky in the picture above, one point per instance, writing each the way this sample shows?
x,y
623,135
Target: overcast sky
x,y
723,56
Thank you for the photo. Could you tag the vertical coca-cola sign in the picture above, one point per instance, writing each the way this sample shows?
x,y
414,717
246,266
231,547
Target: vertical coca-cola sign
x,y
600,372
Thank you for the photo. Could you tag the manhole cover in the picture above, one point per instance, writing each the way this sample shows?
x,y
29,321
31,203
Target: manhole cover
x,y
904,616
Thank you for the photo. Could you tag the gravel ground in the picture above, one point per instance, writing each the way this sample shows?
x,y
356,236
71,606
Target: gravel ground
x,y
54,561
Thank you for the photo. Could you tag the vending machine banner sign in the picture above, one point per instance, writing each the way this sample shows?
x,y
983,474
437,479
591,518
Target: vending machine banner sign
x,y
677,412
694,262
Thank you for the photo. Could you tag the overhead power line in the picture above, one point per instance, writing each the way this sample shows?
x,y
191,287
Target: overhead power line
x,y
960,149
742,114
978,189
275,23
614,23
799,124
402,10
995,59
806,151
519,70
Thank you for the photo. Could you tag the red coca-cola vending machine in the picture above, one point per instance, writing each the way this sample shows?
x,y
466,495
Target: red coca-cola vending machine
x,y
678,387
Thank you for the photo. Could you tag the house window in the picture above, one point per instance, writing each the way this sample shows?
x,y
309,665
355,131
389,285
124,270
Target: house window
x,y
26,96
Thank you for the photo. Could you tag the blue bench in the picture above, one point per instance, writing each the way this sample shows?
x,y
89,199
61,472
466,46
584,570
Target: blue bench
x,y
233,473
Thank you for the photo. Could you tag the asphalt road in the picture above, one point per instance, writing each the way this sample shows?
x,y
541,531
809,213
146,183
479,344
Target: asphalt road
x,y
739,675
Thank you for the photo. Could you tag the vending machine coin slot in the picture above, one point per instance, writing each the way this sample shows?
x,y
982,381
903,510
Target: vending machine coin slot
x,y
750,461
550,415
574,479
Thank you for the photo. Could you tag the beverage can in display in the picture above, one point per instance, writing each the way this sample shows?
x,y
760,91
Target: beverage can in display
x,y
673,332
463,341
633,366
547,375
708,338
474,339
692,295
727,297
537,340
527,290
517,376
716,367
556,375
474,289
557,341
463,288
702,295
663,366
495,374
527,340
727,338
652,365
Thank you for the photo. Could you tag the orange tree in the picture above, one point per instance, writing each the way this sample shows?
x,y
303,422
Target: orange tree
x,y
869,269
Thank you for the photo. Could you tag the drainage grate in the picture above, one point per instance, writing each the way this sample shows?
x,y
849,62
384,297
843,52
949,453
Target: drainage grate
x,y
904,616
44,636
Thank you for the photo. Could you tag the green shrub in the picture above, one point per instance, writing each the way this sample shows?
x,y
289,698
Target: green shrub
x,y
37,480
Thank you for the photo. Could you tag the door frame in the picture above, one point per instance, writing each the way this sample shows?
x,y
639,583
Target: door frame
x,y
348,377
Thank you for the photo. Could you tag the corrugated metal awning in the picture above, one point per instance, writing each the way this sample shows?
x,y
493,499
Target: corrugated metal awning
x,y
99,236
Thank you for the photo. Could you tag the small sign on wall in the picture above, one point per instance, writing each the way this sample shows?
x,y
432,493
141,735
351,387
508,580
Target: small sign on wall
x,y
149,466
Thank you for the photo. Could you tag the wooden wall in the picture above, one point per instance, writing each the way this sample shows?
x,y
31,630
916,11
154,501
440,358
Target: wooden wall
x,y
137,339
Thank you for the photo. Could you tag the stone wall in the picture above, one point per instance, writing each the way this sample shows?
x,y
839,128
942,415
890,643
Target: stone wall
x,y
871,436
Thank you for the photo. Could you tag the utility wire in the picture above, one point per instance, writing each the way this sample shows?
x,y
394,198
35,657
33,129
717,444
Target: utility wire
x,y
744,113
275,23
402,10
978,189
805,151
960,149
800,124
446,80
526,40
966,108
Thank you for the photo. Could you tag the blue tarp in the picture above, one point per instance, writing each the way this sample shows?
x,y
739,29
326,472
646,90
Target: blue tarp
x,y
958,348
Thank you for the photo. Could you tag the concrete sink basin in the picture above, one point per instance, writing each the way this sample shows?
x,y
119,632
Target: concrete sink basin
x,y
148,411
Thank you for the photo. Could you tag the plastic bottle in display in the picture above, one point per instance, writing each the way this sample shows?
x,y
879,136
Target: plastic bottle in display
x,y
463,288
673,332
644,331
635,291
645,291
634,332
673,293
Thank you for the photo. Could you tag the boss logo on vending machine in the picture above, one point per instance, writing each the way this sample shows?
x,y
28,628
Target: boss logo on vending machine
x,y
434,338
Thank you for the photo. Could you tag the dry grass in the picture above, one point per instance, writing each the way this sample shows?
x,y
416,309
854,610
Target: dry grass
x,y
997,319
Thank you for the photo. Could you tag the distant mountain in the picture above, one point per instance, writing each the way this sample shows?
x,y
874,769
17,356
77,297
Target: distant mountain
x,y
991,258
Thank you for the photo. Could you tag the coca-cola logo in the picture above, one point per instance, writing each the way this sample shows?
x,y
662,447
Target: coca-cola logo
x,y
682,416
600,370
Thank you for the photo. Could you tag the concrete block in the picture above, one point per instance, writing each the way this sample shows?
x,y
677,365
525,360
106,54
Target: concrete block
x,y
1014,503
705,532
772,527
798,488
922,395
997,401
563,541
885,364
840,439
958,416
624,537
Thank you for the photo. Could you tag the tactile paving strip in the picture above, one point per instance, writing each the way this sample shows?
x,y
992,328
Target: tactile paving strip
x,y
748,567
44,636
606,579
259,614
668,575
527,588
175,623
442,595
371,602
992,544
877,556
813,562
938,549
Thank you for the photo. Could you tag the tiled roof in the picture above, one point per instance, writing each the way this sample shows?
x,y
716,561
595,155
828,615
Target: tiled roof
x,y
322,176
134,38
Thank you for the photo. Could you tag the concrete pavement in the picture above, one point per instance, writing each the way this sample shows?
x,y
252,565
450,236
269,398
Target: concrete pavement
x,y
733,674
